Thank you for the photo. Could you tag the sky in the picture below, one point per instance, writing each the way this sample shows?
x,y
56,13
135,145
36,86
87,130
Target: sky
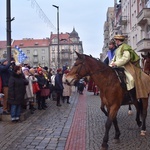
x,y
86,16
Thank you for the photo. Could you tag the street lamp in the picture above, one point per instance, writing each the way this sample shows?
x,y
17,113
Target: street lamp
x,y
8,20
58,57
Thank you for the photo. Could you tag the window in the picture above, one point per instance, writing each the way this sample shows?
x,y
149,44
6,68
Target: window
x,y
53,48
43,58
4,52
53,55
74,47
79,47
28,58
28,51
43,51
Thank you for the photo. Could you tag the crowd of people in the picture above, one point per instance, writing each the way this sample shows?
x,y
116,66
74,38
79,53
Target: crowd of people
x,y
23,87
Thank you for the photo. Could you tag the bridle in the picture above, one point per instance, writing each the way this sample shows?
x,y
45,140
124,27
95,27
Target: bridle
x,y
83,66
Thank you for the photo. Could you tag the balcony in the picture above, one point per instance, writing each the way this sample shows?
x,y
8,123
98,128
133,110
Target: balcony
x,y
106,33
35,54
143,45
35,60
143,17
123,20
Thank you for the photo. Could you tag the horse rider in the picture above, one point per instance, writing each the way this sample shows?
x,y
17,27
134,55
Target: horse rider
x,y
111,52
126,57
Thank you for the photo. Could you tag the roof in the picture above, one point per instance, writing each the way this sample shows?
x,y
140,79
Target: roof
x,y
3,44
74,34
31,42
63,38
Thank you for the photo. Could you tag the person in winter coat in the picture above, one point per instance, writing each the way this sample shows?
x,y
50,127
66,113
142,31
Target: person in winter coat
x,y
16,92
5,72
58,86
42,84
29,96
67,89
81,86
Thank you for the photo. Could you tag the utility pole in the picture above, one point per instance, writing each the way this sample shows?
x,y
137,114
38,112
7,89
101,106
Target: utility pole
x,y
8,29
58,52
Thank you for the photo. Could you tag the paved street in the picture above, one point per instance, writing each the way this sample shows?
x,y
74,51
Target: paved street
x,y
77,126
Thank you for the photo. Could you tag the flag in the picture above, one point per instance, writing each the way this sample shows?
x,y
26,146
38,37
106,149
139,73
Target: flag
x,y
19,55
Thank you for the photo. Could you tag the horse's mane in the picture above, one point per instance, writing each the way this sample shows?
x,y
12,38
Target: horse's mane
x,y
99,61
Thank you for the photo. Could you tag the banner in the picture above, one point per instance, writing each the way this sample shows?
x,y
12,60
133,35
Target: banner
x,y
19,55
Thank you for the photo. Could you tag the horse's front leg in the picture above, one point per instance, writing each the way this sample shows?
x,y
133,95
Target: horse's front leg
x,y
103,109
106,136
117,131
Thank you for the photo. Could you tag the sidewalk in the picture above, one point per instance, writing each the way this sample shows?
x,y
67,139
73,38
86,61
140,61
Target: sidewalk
x,y
76,126
45,129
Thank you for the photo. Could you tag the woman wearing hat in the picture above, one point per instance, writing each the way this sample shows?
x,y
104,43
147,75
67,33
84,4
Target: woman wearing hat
x,y
126,57
67,89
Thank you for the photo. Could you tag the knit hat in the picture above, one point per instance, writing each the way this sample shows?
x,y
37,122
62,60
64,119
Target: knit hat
x,y
59,70
39,69
25,68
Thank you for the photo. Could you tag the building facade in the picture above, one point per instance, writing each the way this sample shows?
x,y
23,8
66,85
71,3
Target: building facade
x,y
3,49
108,28
68,44
37,51
44,52
132,19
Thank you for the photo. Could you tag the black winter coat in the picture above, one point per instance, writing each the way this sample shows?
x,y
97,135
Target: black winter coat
x,y
41,80
16,89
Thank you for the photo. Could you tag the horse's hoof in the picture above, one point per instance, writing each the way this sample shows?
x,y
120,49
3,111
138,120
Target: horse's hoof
x,y
130,112
143,133
104,148
139,124
116,141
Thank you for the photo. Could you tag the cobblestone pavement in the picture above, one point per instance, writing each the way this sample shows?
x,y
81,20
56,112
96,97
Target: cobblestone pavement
x,y
46,129
130,138
77,126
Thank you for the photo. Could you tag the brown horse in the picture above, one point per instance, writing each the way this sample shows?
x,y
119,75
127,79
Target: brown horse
x,y
146,63
111,93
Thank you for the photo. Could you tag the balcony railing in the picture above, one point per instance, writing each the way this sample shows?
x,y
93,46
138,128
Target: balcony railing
x,y
143,45
143,16
35,60
123,20
35,54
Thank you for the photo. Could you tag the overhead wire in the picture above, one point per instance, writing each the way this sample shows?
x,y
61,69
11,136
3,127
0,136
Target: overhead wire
x,y
42,15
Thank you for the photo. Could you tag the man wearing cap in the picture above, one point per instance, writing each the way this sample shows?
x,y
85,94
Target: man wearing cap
x,y
5,72
110,52
127,58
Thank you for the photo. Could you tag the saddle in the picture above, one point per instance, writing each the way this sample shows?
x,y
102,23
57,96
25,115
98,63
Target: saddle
x,y
121,76
128,98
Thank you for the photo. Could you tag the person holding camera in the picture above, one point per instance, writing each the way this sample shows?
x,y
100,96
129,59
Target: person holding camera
x,y
5,72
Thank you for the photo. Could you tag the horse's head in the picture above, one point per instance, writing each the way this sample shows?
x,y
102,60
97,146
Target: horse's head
x,y
78,71
146,63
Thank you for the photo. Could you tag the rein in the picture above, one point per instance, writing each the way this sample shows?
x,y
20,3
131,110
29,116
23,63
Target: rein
x,y
88,74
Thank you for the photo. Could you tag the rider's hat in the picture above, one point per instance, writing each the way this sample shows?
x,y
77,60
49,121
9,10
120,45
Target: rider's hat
x,y
119,37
